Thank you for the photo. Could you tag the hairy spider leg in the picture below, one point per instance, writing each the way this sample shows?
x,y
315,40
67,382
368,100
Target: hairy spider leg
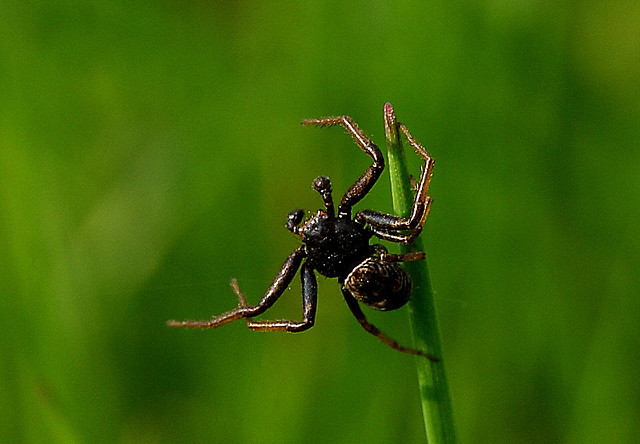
x,y
277,287
365,182
388,227
375,331
309,305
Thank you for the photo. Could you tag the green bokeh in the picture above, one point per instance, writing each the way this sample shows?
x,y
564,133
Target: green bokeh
x,y
150,151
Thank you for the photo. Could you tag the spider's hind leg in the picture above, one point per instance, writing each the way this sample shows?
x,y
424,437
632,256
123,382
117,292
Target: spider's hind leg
x,y
375,331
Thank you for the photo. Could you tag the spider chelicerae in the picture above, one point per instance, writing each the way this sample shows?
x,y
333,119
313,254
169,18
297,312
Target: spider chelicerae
x,y
336,245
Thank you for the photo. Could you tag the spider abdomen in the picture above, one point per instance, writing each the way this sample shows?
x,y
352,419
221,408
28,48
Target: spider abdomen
x,y
379,284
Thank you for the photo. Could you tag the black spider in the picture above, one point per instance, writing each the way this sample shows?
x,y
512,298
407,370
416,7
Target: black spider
x,y
337,246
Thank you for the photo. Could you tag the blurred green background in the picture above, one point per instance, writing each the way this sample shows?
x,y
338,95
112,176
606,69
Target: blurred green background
x,y
150,151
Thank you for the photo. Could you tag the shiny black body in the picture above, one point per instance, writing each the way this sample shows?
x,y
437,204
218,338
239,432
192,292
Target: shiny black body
x,y
334,246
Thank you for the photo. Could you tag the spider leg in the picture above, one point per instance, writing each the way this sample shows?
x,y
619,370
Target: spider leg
x,y
309,305
277,287
389,227
383,225
365,182
385,256
375,331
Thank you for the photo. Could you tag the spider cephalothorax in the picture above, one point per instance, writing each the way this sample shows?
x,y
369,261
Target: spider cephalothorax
x,y
336,245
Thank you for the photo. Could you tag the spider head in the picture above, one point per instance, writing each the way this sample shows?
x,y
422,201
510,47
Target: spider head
x,y
317,228
379,284
312,227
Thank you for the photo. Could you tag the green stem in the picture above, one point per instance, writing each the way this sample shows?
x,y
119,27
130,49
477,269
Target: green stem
x,y
432,380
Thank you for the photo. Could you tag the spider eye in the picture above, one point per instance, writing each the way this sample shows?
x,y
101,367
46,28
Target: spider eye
x,y
381,285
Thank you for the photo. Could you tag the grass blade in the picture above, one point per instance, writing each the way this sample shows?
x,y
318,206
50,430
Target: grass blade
x,y
432,380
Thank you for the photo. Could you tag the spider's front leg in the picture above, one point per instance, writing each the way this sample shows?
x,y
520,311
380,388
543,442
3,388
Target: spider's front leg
x,y
277,287
389,227
365,182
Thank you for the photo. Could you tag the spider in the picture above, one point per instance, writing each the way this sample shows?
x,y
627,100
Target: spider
x,y
336,245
